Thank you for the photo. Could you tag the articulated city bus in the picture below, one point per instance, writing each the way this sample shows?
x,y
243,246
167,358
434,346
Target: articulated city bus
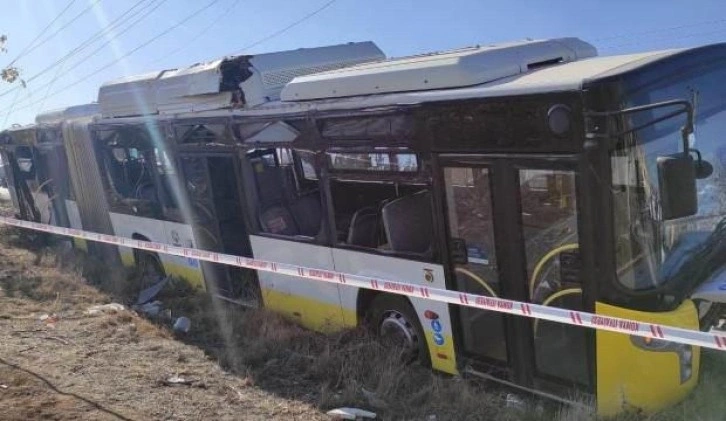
x,y
535,171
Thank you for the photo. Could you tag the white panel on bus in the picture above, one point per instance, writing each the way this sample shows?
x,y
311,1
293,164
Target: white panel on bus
x,y
451,69
314,304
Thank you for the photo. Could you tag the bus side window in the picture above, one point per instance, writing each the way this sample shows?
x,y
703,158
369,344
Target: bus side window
x,y
289,200
129,174
169,186
380,204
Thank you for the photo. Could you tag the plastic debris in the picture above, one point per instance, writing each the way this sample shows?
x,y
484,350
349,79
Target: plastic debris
x,y
149,293
182,325
177,381
49,319
111,308
515,402
351,414
151,309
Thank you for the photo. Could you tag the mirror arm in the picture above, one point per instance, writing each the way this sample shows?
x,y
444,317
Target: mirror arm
x,y
686,130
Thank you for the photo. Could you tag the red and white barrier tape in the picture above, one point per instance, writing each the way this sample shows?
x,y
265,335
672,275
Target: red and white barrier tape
x,y
536,311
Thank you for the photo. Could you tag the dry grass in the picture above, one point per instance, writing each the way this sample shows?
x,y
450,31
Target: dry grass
x,y
268,363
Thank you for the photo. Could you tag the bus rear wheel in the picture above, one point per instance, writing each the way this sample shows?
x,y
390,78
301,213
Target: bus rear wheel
x,y
394,320
150,269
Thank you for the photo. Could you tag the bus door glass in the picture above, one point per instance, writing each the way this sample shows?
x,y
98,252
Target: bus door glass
x,y
514,234
470,220
53,179
216,209
549,223
26,185
10,177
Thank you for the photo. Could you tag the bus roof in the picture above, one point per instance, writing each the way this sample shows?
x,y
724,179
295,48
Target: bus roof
x,y
556,78
568,76
67,113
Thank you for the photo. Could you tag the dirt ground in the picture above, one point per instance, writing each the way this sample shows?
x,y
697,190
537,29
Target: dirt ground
x,y
58,362
108,366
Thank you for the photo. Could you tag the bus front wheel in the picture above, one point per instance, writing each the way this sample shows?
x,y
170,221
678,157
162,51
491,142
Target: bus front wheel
x,y
394,320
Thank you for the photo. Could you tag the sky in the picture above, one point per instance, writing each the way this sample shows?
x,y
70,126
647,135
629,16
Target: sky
x,y
163,34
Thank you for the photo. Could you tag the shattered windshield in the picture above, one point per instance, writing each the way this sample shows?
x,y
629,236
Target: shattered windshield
x,y
647,248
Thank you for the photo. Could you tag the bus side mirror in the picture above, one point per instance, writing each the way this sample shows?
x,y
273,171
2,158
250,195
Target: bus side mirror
x,y
459,251
677,184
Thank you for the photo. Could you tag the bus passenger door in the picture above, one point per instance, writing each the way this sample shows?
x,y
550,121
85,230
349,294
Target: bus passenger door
x,y
549,225
218,221
54,183
471,227
513,233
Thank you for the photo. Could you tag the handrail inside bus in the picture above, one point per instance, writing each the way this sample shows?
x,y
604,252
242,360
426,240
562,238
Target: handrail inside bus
x,y
40,187
478,279
556,295
552,253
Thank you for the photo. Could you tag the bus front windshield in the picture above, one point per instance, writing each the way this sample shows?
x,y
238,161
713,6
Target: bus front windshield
x,y
648,249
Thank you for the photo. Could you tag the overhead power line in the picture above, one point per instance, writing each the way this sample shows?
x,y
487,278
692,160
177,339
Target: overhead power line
x,y
57,31
120,20
288,27
118,59
199,34
42,31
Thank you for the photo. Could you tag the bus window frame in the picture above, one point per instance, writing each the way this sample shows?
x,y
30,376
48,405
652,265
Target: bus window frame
x,y
117,202
422,176
250,194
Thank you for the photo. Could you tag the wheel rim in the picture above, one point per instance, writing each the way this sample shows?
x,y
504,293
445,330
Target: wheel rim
x,y
150,272
398,330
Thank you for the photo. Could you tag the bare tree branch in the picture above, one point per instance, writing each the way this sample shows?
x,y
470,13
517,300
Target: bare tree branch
x,y
9,74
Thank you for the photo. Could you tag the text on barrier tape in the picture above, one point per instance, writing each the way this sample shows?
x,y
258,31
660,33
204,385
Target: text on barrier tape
x,y
536,311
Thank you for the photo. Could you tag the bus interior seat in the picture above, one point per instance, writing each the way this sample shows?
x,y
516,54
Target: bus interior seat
x,y
274,217
278,220
407,222
363,230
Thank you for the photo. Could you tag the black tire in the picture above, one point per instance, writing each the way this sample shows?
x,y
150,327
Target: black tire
x,y
389,313
712,316
150,269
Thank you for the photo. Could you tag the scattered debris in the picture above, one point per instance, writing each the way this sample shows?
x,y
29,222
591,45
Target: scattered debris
x,y
351,414
515,402
149,293
151,309
177,381
49,319
182,325
111,308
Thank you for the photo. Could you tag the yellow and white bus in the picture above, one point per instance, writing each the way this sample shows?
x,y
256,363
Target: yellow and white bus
x,y
535,171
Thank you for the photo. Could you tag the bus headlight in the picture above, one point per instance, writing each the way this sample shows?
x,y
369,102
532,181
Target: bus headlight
x,y
684,352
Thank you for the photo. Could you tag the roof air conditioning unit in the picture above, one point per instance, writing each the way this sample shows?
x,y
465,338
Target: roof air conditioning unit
x,y
245,81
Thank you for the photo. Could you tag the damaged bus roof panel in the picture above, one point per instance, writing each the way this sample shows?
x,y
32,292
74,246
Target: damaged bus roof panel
x,y
241,81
